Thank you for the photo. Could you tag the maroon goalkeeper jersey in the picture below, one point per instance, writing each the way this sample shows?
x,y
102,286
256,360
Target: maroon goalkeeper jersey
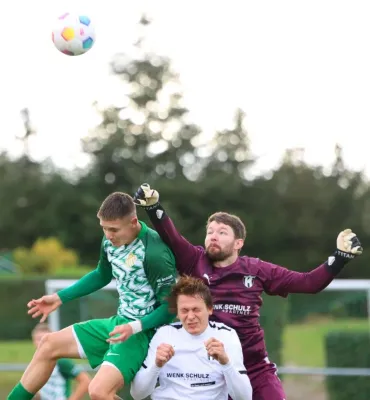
x,y
237,288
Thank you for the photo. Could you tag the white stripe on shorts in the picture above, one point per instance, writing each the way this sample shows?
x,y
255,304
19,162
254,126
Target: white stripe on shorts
x,y
111,365
81,351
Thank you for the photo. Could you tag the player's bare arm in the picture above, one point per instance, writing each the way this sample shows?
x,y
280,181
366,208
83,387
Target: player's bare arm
x,y
82,386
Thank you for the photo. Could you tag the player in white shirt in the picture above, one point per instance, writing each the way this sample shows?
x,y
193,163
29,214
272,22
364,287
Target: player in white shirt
x,y
194,358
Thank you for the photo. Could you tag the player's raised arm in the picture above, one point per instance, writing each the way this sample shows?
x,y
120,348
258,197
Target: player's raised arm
x,y
281,281
186,254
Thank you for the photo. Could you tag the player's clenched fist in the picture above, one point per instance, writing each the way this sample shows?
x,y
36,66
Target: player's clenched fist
x,y
216,350
164,353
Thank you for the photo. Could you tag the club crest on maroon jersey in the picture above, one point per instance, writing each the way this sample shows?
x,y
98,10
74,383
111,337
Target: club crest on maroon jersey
x,y
248,280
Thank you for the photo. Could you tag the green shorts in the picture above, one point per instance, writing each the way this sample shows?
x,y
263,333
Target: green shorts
x,y
127,356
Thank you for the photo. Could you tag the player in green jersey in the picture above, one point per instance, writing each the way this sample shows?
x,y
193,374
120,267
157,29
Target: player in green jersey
x,y
59,386
144,270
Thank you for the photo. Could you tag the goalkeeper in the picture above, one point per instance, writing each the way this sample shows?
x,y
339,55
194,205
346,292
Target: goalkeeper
x,y
144,270
237,282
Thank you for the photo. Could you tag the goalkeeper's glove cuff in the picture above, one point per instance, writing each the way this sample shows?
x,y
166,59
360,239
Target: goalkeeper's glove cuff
x,y
155,212
336,262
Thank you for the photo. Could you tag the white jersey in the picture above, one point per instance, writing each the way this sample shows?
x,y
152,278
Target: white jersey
x,y
191,374
58,387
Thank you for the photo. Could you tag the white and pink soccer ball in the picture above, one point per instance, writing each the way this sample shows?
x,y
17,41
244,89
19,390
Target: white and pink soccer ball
x,y
73,34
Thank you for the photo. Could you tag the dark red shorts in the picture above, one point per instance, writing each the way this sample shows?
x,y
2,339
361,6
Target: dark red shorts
x,y
267,386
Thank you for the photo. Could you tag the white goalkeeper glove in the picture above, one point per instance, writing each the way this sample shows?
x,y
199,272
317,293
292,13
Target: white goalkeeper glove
x,y
348,244
145,196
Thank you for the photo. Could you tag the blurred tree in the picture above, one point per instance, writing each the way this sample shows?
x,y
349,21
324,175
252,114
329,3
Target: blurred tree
x,y
44,257
26,198
148,135
292,216
307,209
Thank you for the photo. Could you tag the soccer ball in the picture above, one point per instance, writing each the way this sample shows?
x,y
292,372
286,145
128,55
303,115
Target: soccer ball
x,y
73,34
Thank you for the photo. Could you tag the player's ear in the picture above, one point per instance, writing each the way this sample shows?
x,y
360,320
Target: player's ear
x,y
210,311
239,243
134,220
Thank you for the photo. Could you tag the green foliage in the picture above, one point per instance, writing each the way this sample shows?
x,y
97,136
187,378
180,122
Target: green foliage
x,y
340,304
348,349
45,257
15,322
72,272
273,320
305,343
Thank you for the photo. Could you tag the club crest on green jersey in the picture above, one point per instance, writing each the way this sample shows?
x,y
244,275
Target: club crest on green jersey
x,y
130,260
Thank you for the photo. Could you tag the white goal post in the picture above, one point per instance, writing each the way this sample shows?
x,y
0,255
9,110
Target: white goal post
x,y
52,286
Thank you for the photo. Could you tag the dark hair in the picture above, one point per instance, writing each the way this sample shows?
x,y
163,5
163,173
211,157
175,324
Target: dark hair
x,y
117,206
41,327
233,221
189,286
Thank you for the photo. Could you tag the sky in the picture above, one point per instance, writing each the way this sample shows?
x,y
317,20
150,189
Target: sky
x,y
299,69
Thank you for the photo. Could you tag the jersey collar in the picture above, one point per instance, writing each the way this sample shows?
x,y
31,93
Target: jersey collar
x,y
143,230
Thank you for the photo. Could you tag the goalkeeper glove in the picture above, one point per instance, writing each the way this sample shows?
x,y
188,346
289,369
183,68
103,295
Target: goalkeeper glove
x,y
145,196
348,247
348,244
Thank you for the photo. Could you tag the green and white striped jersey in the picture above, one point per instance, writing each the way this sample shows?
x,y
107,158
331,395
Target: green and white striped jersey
x,y
144,271
58,387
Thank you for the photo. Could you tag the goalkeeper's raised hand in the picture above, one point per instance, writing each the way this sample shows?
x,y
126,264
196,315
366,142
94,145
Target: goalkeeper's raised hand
x,y
348,244
348,247
145,196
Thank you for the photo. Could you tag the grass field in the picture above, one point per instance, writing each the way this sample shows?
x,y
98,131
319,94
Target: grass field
x,y
304,343
303,346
